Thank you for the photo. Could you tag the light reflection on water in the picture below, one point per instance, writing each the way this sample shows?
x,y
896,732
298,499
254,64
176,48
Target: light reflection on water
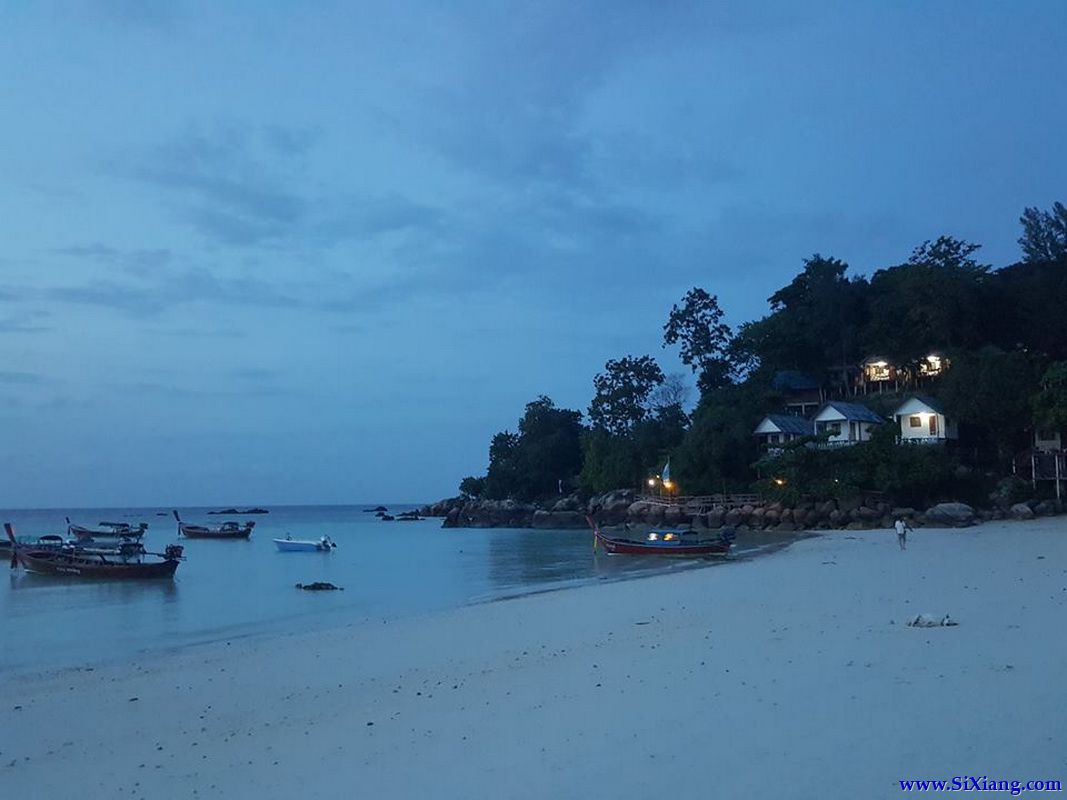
x,y
233,588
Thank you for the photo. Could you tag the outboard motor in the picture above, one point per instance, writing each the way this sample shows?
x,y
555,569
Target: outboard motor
x,y
173,552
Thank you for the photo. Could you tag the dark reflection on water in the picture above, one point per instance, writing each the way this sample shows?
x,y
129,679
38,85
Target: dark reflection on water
x,y
233,588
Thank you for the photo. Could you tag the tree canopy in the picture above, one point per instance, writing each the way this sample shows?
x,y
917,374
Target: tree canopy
x,y
1044,233
703,337
622,393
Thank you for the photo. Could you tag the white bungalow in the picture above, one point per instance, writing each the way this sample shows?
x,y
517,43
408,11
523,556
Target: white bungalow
x,y
922,420
779,429
846,423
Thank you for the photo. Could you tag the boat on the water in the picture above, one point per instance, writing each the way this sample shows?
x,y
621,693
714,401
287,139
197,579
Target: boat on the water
x,y
664,543
227,530
106,530
289,544
127,559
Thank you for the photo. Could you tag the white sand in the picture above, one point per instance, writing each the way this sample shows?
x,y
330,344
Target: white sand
x,y
782,677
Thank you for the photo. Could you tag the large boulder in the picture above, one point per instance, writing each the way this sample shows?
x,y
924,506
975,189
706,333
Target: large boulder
x,y
1021,511
1046,508
715,517
675,516
569,503
637,510
950,515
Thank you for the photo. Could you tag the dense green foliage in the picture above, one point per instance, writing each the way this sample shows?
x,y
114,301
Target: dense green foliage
x,y
910,475
1044,233
1050,402
1002,334
545,451
622,393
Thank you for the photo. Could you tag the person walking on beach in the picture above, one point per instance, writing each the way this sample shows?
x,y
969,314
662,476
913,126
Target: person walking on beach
x,y
902,533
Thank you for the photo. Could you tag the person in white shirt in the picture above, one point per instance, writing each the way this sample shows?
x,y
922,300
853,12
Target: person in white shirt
x,y
902,533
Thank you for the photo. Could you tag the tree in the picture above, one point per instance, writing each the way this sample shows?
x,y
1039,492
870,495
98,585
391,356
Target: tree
x,y
610,462
471,487
991,390
502,479
673,393
938,300
546,449
705,339
622,393
1044,234
718,448
814,321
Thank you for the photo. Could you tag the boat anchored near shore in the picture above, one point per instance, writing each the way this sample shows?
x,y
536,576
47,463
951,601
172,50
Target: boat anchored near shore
x,y
127,559
227,530
323,544
664,543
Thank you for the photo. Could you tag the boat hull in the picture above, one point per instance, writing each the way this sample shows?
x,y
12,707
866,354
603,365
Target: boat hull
x,y
194,532
59,562
91,534
300,546
635,548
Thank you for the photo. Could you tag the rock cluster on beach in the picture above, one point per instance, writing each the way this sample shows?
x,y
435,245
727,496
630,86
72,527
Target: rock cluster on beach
x,y
625,507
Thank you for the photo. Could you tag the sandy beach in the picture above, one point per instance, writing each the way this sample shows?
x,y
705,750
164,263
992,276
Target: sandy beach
x,y
787,676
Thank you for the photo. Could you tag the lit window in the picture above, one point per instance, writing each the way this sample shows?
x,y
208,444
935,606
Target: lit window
x,y
915,421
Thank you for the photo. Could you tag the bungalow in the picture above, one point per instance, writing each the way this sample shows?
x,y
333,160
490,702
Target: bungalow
x,y
801,393
846,423
922,420
1049,440
880,374
779,429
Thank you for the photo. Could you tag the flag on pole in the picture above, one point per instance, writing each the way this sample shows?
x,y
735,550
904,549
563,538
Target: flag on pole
x,y
666,474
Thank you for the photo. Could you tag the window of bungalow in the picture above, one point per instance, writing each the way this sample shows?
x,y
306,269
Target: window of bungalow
x,y
915,421
931,365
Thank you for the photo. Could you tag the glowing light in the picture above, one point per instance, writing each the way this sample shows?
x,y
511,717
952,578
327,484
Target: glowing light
x,y
651,481
779,481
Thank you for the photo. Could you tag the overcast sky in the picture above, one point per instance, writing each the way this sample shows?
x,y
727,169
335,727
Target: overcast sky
x,y
258,252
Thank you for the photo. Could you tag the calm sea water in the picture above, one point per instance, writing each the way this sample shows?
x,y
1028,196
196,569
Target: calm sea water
x,y
228,589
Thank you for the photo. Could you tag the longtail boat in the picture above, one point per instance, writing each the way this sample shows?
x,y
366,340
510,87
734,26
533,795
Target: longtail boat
x,y
663,543
127,559
227,530
106,530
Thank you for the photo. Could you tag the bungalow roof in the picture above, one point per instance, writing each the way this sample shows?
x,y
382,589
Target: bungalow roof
x,y
930,402
853,412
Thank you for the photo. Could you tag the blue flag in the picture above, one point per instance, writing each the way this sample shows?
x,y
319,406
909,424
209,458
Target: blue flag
x,y
667,471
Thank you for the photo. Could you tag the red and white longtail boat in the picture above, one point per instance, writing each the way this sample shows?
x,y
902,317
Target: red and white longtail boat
x,y
227,530
663,543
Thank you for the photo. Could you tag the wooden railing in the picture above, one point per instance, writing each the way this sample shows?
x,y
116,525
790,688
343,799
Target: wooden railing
x,y
704,502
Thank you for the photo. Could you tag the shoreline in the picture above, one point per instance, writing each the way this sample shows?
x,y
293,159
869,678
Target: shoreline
x,y
795,668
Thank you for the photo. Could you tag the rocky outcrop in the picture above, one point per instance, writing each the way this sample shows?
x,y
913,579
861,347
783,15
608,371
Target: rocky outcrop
x,y
619,508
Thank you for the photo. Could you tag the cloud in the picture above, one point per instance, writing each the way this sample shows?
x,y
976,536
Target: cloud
x,y
138,262
177,288
225,185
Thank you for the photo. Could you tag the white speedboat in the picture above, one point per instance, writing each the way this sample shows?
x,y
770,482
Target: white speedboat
x,y
322,544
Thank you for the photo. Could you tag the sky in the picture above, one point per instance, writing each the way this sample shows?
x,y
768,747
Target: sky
x,y
282,253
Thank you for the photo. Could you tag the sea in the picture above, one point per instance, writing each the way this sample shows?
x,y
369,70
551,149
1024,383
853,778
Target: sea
x,y
230,589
